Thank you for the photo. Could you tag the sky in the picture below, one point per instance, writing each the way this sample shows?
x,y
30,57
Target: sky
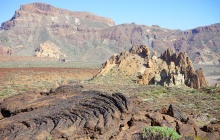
x,y
172,14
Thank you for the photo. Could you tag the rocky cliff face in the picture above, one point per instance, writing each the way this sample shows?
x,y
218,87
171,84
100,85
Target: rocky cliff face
x,y
84,36
33,14
170,69
36,23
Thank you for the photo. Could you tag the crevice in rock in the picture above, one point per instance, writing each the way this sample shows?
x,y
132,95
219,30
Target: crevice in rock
x,y
205,129
177,128
195,131
154,123
130,123
6,113
26,124
22,110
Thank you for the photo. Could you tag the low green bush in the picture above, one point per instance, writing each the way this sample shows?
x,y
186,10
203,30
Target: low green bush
x,y
159,133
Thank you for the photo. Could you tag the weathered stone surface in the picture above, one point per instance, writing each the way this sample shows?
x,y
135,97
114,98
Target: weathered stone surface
x,y
170,69
212,127
49,49
184,129
194,81
176,113
202,80
70,113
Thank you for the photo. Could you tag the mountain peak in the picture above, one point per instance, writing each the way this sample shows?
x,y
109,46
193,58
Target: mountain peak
x,y
40,8
38,13
49,10
37,5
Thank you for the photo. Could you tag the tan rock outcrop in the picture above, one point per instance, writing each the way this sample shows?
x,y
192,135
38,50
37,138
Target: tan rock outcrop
x,y
202,80
49,49
5,50
170,69
145,78
179,70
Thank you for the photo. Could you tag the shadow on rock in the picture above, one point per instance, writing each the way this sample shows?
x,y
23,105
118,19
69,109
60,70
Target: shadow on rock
x,y
71,113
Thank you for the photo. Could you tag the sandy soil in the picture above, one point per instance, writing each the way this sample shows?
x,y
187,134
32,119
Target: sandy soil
x,y
21,80
6,58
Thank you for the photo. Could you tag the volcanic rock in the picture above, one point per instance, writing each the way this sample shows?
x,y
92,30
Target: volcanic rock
x,y
70,113
174,120
170,69
176,113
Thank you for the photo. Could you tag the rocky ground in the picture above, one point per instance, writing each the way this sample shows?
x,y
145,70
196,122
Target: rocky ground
x,y
21,80
80,103
38,109
81,112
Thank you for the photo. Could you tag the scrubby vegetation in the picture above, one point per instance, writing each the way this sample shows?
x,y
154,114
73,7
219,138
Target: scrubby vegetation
x,y
20,80
159,133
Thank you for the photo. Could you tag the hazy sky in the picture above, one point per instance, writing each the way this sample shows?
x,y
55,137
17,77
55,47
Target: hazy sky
x,y
173,14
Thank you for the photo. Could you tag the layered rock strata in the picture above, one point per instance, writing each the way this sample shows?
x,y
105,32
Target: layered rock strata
x,y
87,37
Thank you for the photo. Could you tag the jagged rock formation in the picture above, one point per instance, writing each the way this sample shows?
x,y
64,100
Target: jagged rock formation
x,y
85,37
170,69
70,113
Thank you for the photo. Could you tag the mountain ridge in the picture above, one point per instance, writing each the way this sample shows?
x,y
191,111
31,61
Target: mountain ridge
x,y
83,36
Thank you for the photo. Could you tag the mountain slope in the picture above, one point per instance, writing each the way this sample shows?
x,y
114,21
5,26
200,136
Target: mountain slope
x,y
83,36
38,23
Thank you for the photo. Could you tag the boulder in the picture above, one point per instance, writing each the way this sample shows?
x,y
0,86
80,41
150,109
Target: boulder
x,y
176,113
